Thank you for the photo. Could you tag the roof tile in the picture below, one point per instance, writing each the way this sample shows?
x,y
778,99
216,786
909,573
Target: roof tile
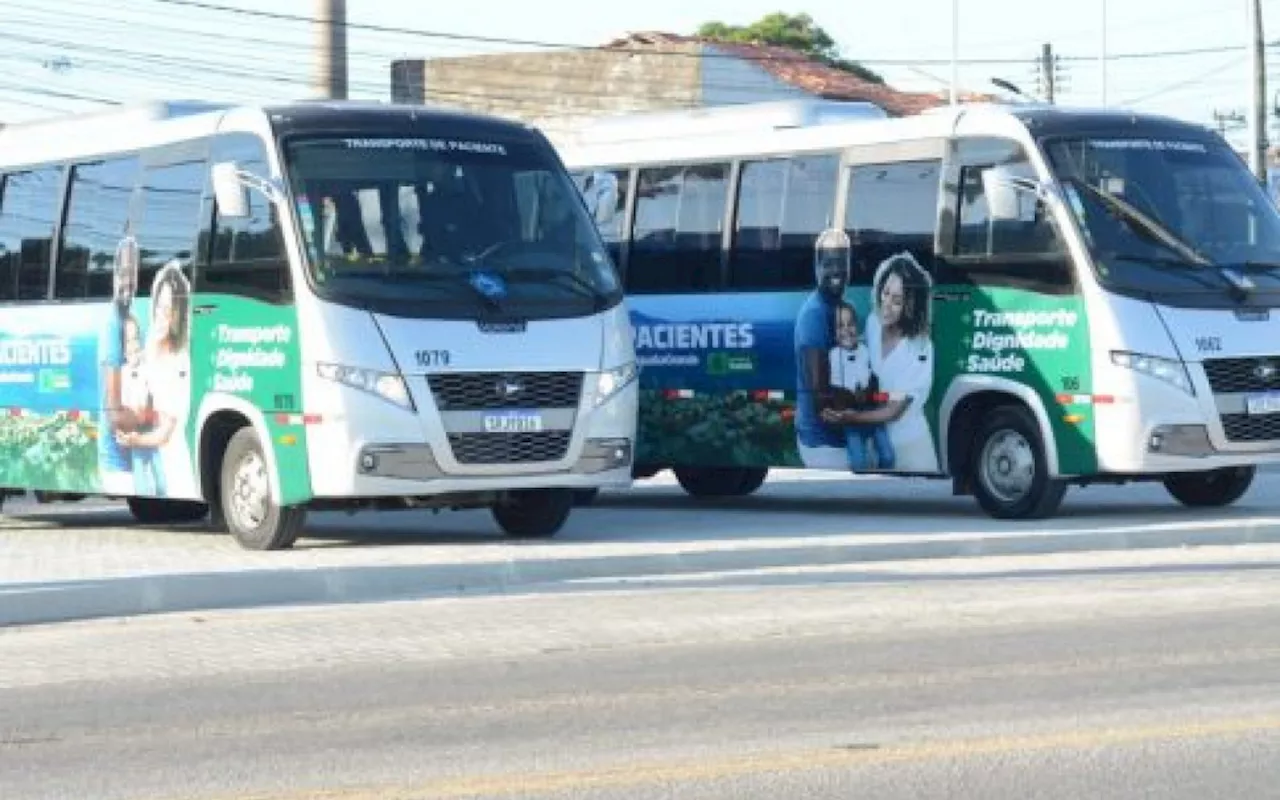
x,y
805,73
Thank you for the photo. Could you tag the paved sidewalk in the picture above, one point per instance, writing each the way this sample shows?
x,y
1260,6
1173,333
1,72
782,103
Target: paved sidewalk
x,y
69,562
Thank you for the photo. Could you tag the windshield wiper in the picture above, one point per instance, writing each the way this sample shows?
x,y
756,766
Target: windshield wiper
x,y
1190,269
1258,266
585,287
1152,227
454,280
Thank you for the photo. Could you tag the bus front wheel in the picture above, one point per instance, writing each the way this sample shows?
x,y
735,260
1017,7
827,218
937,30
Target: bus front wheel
x,y
720,482
533,513
1009,469
252,517
1212,488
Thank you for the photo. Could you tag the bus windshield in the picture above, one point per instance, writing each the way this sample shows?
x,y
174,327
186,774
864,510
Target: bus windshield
x,y
1164,213
447,228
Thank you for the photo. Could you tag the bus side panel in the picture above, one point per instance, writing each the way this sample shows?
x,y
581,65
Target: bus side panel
x,y
1038,340
249,349
718,373
50,397
717,379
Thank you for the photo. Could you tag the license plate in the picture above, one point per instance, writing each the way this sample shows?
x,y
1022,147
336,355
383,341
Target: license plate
x,y
1262,403
513,422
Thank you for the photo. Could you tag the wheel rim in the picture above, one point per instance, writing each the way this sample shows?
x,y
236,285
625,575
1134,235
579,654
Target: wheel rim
x,y
250,492
1008,466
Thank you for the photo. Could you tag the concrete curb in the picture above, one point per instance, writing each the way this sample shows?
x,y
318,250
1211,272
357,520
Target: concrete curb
x,y
60,601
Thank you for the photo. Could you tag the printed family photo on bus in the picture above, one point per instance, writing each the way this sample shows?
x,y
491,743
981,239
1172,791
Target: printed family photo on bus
x,y
146,371
862,380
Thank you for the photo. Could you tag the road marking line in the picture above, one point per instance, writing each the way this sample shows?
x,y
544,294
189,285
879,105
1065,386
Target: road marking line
x,y
794,761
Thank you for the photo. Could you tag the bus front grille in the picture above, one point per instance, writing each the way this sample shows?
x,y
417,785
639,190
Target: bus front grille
x,y
509,448
472,391
1246,428
1229,375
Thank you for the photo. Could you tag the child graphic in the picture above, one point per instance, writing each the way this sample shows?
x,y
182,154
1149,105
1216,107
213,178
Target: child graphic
x,y
855,387
135,394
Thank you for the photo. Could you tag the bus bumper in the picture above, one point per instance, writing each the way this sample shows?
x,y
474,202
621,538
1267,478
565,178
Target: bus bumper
x,y
417,459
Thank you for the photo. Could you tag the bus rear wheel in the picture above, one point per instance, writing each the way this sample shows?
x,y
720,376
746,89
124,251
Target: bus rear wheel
x,y
533,513
720,481
1210,489
159,511
251,516
1009,469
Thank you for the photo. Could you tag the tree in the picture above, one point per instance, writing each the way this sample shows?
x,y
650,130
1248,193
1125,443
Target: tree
x,y
796,32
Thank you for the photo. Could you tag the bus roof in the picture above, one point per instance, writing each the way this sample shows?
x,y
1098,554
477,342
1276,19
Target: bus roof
x,y
133,127
685,136
718,120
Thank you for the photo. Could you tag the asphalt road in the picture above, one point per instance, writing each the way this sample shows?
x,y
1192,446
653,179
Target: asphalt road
x,y
1117,675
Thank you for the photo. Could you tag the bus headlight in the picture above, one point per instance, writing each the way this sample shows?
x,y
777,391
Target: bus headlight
x,y
1166,369
388,386
611,381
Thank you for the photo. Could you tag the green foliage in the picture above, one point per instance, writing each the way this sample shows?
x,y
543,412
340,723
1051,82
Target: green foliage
x,y
715,430
52,452
796,32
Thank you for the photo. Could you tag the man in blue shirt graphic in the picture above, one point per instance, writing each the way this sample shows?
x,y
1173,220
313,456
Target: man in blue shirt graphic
x,y
115,467
821,446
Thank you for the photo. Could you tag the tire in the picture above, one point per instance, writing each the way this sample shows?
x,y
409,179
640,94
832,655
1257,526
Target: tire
x,y
585,497
533,513
157,511
720,481
244,492
752,479
1009,469
1211,488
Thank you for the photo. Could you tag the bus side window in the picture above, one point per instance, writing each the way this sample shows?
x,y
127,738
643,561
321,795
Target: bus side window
x,y
892,208
246,256
676,235
97,214
167,224
977,236
605,195
783,204
32,203
8,247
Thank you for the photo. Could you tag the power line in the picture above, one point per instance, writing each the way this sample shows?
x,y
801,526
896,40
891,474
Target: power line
x,y
42,92
520,96
29,104
588,86
1173,87
277,15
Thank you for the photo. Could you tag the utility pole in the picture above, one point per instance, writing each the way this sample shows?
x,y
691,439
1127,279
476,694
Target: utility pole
x,y
1049,77
955,51
1228,121
1102,57
1046,69
1258,108
331,49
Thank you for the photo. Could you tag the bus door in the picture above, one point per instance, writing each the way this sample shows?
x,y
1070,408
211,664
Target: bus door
x,y
883,360
1008,313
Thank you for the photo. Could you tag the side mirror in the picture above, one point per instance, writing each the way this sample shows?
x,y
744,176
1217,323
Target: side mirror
x,y
231,194
1008,194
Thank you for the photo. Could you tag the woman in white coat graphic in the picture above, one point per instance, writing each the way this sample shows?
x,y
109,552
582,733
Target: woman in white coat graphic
x,y
897,334
902,356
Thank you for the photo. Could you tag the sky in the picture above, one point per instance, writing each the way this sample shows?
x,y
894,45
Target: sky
x,y
65,56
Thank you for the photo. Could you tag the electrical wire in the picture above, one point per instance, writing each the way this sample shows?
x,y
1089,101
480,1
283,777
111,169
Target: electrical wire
x,y
282,16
